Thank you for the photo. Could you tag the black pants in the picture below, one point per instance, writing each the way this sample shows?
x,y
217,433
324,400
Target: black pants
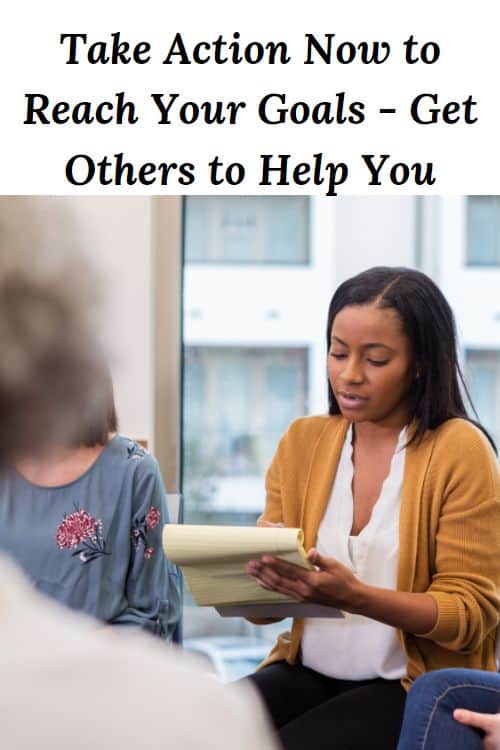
x,y
317,712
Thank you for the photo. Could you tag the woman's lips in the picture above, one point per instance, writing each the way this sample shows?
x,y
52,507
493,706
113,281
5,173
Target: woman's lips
x,y
350,401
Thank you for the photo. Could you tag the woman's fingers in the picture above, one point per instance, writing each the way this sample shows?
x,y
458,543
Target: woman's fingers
x,y
320,561
316,559
280,588
486,722
295,590
272,577
252,567
268,575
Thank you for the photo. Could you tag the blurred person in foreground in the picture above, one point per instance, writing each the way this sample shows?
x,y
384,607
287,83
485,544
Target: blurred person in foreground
x,y
48,308
63,680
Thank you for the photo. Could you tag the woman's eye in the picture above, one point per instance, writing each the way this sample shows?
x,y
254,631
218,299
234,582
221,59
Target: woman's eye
x,y
378,362
338,355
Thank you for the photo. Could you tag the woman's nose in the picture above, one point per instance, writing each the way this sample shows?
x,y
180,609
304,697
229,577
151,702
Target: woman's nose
x,y
353,371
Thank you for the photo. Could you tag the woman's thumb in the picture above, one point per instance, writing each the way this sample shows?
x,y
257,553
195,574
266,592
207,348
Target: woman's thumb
x,y
315,558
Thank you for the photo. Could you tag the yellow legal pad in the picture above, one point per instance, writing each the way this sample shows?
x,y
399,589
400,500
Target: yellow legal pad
x,y
213,560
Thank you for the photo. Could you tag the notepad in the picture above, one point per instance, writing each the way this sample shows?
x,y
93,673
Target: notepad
x,y
213,560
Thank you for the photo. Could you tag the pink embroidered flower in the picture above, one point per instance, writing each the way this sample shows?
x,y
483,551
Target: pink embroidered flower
x,y
142,526
152,518
75,528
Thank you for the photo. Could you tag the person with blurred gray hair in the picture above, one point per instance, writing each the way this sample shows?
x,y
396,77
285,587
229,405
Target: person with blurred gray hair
x,y
48,307
65,681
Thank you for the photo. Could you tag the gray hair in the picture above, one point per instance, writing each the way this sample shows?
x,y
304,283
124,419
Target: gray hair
x,y
48,306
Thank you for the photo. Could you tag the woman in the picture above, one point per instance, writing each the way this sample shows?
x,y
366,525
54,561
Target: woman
x,y
85,522
398,495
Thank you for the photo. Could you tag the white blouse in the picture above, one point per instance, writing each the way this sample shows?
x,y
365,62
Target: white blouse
x,y
356,647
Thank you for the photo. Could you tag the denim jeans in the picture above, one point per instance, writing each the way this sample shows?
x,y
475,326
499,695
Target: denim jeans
x,y
428,720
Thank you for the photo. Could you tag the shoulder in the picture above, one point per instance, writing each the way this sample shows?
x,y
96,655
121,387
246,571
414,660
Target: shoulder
x,y
460,436
303,433
133,456
316,424
462,448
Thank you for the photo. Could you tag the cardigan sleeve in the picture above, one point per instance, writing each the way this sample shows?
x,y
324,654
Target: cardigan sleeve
x,y
466,574
273,509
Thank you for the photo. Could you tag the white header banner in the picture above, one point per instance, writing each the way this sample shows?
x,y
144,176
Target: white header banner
x,y
260,98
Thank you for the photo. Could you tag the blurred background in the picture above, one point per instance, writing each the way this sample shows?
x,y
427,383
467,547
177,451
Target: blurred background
x,y
215,320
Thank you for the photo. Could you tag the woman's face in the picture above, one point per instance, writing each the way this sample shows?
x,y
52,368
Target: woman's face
x,y
370,365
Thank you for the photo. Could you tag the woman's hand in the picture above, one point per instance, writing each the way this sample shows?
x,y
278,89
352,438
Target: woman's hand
x,y
330,583
489,723
334,585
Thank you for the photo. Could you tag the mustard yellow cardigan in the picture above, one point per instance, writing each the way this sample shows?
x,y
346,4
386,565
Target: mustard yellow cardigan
x,y
449,532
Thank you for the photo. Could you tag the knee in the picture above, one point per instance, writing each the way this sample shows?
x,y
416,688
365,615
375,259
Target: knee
x,y
434,684
447,689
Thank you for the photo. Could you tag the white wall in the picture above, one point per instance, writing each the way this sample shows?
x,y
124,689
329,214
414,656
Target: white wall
x,y
115,234
373,231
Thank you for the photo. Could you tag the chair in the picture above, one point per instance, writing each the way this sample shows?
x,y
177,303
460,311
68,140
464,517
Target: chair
x,y
175,508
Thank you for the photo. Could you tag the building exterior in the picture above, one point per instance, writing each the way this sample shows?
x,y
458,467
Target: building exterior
x,y
468,245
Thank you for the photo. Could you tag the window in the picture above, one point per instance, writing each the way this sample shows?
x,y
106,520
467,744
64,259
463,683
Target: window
x,y
238,401
483,371
250,357
483,230
247,229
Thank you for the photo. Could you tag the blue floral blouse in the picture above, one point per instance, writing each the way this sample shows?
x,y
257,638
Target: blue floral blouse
x,y
95,544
